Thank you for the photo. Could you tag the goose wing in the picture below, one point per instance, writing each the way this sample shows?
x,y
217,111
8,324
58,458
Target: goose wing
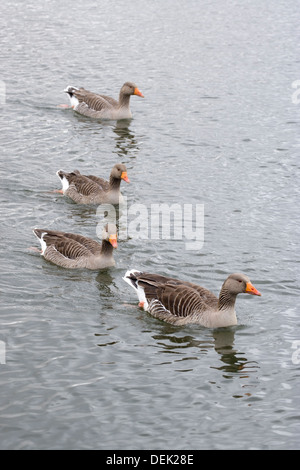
x,y
99,181
94,100
88,243
69,245
179,298
77,185
84,185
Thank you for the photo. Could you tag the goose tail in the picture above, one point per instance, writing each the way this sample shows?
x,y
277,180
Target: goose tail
x,y
64,180
40,233
131,279
70,90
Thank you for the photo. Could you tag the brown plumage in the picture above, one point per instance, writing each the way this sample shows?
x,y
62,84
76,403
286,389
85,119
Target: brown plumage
x,y
90,189
70,250
101,106
181,302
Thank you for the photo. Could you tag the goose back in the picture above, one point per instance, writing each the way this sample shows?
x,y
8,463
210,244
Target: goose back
x,y
172,300
95,101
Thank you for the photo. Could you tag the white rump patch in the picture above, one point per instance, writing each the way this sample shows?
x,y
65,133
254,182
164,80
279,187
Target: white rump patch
x,y
74,101
142,298
139,290
64,182
43,243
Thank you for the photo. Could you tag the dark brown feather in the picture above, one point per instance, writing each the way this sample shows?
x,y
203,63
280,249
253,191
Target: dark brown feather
x,y
100,181
94,100
69,245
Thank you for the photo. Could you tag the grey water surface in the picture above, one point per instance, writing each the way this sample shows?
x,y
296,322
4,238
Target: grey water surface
x,y
81,366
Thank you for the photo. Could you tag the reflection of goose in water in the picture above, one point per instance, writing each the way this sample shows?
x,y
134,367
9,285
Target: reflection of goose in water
x,y
233,361
174,341
126,142
104,280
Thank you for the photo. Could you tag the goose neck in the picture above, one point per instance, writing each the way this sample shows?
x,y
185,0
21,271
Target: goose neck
x,y
114,183
226,299
107,248
124,100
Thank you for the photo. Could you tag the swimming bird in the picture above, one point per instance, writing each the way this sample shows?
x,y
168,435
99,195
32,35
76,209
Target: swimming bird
x,y
100,106
180,302
70,250
90,189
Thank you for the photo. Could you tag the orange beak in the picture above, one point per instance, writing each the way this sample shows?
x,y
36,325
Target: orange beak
x,y
250,289
125,177
113,240
138,93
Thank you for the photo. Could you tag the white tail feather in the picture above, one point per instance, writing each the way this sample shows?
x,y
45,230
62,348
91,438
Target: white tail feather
x,y
138,289
64,181
127,277
42,241
73,100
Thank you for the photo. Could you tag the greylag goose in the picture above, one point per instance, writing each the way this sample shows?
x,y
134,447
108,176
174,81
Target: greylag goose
x,y
180,302
90,189
70,250
100,106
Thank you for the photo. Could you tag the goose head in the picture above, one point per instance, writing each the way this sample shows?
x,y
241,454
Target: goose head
x,y
130,88
238,283
109,234
119,172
